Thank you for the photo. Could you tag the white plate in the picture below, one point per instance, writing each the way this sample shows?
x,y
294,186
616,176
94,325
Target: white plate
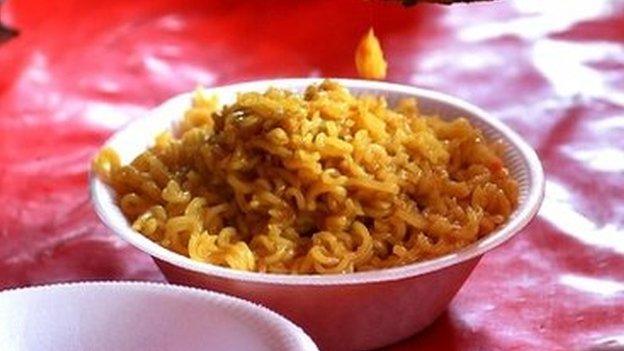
x,y
129,316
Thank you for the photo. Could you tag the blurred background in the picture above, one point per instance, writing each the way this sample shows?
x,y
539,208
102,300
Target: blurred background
x,y
552,70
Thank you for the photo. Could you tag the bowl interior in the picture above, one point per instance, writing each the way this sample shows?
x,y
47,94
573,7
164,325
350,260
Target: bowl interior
x,y
520,159
139,316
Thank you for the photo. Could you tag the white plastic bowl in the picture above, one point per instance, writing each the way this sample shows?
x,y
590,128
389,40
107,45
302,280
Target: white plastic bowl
x,y
351,311
126,316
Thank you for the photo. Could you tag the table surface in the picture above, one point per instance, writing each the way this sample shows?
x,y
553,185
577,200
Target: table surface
x,y
552,70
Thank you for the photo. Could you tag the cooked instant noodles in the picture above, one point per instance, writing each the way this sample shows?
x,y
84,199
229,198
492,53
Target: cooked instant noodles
x,y
319,182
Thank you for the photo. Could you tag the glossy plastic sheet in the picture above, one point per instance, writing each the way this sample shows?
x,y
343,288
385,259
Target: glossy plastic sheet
x,y
552,70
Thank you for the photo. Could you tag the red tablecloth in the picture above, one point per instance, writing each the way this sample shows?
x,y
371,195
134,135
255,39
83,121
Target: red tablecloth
x,y
552,70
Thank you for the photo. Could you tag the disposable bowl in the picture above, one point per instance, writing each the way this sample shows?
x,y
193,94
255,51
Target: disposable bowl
x,y
349,311
130,316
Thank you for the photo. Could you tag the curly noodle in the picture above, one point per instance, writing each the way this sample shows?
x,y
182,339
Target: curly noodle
x,y
320,182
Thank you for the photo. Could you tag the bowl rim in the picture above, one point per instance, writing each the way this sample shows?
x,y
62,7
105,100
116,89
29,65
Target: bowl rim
x,y
522,216
290,335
